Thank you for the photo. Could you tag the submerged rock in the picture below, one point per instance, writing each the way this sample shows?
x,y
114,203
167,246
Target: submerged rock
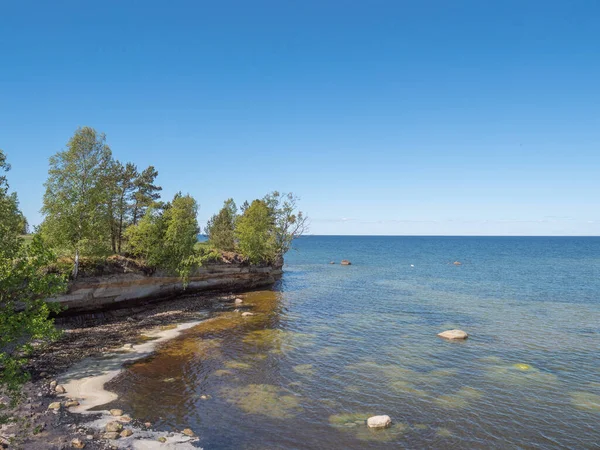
x,y
453,334
345,262
111,435
114,427
457,263
379,421
77,443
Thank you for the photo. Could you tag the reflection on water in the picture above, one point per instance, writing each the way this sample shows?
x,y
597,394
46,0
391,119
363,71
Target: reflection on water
x,y
333,345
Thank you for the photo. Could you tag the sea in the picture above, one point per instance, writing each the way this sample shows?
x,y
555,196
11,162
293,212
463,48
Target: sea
x,y
331,345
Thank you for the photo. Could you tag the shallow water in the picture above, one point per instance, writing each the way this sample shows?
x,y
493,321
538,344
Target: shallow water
x,y
332,345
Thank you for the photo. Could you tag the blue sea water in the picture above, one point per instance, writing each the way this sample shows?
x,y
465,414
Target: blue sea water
x,y
331,345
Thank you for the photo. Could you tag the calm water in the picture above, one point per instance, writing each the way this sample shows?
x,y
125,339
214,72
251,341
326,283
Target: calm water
x,y
333,345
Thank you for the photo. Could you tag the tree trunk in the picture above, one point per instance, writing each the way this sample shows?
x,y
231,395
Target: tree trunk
x,y
76,268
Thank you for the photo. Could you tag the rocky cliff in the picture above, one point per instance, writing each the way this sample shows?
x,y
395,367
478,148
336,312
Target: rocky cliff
x,y
134,287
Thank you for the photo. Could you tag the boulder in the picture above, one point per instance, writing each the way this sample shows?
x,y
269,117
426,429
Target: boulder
x,y
379,421
111,435
77,443
116,412
189,432
345,262
126,433
60,389
55,406
238,301
453,334
114,427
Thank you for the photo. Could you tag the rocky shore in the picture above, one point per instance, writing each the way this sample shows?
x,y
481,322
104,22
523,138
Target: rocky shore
x,y
47,417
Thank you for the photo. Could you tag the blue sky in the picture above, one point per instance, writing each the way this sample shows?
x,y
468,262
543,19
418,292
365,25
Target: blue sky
x,y
385,117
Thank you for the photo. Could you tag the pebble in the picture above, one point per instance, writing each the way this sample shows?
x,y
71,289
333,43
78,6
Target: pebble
x,y
77,443
54,405
116,412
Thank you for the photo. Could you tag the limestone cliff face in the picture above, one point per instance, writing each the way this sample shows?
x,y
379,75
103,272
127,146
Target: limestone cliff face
x,y
96,293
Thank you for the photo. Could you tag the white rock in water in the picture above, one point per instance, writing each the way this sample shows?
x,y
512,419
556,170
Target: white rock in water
x,y
247,314
453,334
239,301
379,421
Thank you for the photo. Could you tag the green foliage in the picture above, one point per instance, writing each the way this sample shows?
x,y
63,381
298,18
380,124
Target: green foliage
x,y
121,188
24,284
165,238
146,193
254,232
76,217
221,227
288,224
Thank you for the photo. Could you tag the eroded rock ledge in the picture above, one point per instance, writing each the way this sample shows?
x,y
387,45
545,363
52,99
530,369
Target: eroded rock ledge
x,y
133,286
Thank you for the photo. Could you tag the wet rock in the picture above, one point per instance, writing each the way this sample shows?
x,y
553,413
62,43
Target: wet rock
x,y
60,389
162,439
116,412
457,263
55,406
345,262
111,435
53,384
205,397
379,421
189,432
453,334
114,427
239,301
71,403
128,346
126,433
247,314
124,419
332,262
77,443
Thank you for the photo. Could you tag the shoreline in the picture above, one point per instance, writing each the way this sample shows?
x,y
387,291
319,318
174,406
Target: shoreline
x,y
91,352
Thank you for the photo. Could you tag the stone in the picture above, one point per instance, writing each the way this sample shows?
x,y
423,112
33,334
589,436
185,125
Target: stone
x,y
111,435
124,419
379,421
457,263
189,432
162,439
239,301
43,374
453,334
77,443
71,403
55,406
128,346
147,424
247,314
60,389
116,412
126,433
332,262
345,262
53,384
114,427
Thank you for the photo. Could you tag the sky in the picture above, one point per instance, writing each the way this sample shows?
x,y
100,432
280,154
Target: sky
x,y
384,117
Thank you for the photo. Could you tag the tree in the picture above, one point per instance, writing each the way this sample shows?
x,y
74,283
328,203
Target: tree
x,y
24,284
76,216
221,227
288,223
166,238
146,193
254,232
122,186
